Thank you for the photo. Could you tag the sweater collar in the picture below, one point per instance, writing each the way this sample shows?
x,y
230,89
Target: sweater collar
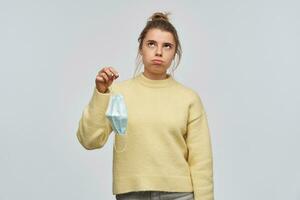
x,y
141,78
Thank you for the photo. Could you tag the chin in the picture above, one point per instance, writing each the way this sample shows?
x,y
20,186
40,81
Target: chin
x,y
157,71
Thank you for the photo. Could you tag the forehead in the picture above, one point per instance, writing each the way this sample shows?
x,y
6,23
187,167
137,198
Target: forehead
x,y
159,36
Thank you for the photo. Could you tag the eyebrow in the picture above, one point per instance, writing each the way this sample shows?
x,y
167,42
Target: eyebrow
x,y
171,44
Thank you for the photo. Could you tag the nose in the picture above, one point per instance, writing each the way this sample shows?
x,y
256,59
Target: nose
x,y
158,52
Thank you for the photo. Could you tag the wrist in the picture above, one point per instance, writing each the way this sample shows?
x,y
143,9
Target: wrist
x,y
103,91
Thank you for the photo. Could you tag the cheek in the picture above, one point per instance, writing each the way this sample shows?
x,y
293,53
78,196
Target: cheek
x,y
170,56
147,54
145,57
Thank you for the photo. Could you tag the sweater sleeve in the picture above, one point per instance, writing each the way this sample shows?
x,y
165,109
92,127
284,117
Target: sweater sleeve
x,y
200,157
94,128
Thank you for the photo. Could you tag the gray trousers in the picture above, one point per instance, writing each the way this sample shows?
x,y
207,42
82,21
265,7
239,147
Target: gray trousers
x,y
155,195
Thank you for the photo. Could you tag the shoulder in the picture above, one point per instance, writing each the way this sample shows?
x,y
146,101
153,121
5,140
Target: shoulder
x,y
191,96
188,92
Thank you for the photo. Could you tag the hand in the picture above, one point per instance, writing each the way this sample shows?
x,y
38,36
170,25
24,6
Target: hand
x,y
105,77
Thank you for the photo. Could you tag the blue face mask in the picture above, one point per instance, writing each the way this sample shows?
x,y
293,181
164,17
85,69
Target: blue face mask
x,y
117,114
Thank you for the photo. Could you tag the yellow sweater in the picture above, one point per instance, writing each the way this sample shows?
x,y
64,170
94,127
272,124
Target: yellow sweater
x,y
168,146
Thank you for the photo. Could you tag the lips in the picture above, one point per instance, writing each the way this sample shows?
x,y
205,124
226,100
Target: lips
x,y
157,61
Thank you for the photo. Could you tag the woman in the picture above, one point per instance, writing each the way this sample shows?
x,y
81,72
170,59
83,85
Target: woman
x,y
168,151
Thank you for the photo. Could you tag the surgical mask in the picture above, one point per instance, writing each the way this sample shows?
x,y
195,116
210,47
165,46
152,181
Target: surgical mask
x,y
117,114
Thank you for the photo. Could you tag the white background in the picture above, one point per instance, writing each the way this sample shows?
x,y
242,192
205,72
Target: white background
x,y
242,57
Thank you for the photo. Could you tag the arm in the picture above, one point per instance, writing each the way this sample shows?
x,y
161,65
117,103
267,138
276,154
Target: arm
x,y
94,128
200,157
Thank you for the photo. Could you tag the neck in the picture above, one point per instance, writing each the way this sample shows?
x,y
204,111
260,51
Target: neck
x,y
155,76
152,83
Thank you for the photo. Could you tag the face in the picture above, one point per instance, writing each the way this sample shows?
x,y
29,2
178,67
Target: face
x,y
157,45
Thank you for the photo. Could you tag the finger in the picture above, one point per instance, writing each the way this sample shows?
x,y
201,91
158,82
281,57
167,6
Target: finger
x,y
100,79
113,72
116,74
104,76
101,71
108,72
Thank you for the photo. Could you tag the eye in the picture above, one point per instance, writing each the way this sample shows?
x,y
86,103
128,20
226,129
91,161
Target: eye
x,y
150,44
168,45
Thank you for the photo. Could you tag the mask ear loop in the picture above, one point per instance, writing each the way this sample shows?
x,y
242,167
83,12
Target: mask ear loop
x,y
123,136
122,139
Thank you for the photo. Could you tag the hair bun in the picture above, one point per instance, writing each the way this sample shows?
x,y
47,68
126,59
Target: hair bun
x,y
159,16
